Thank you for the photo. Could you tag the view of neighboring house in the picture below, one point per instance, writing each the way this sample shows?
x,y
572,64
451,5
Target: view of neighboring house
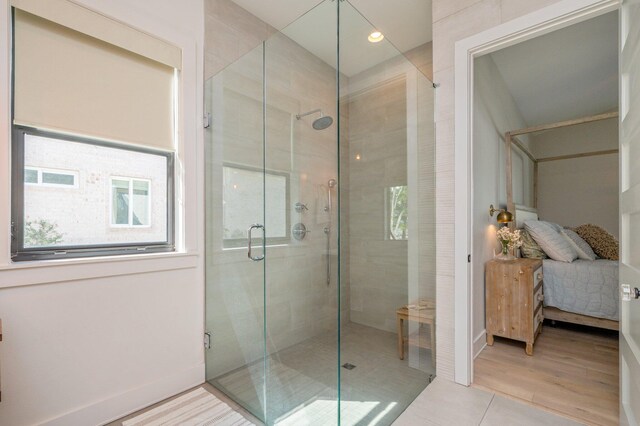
x,y
77,194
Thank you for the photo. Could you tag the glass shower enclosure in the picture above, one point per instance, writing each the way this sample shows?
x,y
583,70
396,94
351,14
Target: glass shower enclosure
x,y
320,225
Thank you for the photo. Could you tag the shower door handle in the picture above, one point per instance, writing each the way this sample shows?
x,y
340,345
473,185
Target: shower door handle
x,y
251,228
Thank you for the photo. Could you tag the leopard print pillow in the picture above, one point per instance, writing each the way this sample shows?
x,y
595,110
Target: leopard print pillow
x,y
603,243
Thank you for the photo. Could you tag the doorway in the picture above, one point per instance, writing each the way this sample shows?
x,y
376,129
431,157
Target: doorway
x,y
468,342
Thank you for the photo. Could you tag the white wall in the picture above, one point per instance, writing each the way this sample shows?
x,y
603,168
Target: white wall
x,y
86,341
495,113
581,190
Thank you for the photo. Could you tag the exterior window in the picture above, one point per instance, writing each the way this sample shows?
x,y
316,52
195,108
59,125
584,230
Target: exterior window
x,y
397,210
30,176
243,205
88,197
130,201
47,177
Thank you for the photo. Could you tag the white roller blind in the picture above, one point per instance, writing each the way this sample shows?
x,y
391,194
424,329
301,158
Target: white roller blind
x,y
68,81
81,19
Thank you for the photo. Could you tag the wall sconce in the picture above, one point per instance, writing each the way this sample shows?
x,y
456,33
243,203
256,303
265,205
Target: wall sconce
x,y
503,215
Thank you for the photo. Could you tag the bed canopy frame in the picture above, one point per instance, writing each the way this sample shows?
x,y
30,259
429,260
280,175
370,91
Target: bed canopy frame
x,y
511,139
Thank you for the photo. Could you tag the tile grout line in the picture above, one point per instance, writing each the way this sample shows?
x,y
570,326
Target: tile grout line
x,y
487,409
460,10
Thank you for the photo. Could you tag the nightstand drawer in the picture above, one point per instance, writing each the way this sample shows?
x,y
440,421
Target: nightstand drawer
x,y
538,318
537,277
538,297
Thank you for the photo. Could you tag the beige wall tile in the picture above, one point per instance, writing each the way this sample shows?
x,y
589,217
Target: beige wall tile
x,y
515,8
444,8
444,95
422,58
469,21
230,33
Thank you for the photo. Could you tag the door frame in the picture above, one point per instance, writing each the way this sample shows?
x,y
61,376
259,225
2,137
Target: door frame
x,y
545,20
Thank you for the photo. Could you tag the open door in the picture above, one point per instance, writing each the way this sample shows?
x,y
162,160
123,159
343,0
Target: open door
x,y
630,212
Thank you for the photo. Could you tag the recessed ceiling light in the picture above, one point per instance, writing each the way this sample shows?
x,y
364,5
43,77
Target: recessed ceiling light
x,y
375,37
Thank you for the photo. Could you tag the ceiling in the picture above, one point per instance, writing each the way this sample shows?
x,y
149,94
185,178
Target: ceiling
x,y
569,73
312,24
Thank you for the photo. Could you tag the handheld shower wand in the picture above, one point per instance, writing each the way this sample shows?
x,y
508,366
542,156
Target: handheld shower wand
x,y
327,230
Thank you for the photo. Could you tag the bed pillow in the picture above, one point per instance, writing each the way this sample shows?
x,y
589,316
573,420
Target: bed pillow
x,y
553,242
553,225
603,243
582,247
529,247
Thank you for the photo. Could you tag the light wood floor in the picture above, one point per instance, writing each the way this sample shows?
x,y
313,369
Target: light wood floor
x,y
573,372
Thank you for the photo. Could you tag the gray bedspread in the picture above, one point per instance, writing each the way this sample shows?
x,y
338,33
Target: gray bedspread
x,y
583,287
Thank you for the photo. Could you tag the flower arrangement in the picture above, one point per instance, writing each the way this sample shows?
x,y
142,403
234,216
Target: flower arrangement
x,y
509,239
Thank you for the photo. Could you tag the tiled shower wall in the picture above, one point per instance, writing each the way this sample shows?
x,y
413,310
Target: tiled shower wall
x,y
382,102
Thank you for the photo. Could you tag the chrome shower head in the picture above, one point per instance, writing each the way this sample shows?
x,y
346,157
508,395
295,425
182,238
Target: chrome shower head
x,y
321,123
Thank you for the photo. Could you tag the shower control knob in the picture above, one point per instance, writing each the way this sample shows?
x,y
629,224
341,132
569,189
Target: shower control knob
x,y
300,207
299,231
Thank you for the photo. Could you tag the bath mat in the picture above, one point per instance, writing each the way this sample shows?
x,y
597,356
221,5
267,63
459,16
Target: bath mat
x,y
196,408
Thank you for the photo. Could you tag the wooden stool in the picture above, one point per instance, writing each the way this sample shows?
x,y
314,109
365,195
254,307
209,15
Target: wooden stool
x,y
422,314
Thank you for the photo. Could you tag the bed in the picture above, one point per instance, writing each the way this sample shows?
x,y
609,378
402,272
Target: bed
x,y
581,292
582,287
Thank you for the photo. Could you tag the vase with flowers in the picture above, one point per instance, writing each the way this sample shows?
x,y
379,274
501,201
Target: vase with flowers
x,y
509,240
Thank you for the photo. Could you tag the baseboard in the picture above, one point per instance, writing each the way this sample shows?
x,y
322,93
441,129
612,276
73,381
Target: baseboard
x,y
118,406
479,343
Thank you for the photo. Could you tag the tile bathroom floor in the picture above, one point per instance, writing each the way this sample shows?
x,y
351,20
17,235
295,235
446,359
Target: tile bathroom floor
x,y
447,403
302,380
381,388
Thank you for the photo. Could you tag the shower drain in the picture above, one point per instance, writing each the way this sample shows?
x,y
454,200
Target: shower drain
x,y
348,366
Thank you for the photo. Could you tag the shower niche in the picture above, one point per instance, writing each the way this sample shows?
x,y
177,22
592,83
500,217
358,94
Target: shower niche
x,y
309,253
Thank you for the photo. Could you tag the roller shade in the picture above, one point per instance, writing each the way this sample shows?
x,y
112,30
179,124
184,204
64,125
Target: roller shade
x,y
70,81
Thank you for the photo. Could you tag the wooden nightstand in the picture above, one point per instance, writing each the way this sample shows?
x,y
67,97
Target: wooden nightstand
x,y
514,300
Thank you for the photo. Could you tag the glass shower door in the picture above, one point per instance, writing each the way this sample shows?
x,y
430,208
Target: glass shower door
x,y
331,149
235,184
302,286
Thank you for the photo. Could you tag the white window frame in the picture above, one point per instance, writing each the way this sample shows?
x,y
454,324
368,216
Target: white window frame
x,y
21,253
41,170
130,212
387,214
233,243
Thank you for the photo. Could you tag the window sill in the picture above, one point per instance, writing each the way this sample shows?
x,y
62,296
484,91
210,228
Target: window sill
x,y
62,270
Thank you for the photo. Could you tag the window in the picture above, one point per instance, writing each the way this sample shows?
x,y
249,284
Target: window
x,y
108,189
120,202
47,177
130,202
396,223
243,205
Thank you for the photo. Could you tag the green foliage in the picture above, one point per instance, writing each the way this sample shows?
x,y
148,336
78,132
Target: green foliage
x,y
41,233
398,206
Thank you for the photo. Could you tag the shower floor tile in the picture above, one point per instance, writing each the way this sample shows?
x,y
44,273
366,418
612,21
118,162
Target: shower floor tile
x,y
302,380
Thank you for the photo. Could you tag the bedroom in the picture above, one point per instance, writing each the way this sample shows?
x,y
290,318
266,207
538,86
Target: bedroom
x,y
545,118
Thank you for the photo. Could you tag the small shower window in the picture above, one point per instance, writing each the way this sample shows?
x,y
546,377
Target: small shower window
x,y
396,217
247,192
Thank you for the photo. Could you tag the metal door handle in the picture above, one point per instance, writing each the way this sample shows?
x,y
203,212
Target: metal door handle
x,y
251,228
